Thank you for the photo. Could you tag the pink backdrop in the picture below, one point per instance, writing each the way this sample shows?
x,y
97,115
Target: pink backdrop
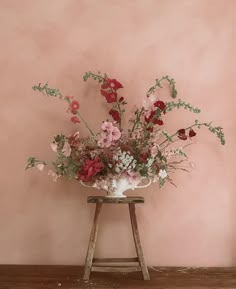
x,y
194,41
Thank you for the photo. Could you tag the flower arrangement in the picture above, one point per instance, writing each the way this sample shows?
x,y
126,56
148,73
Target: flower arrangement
x,y
146,150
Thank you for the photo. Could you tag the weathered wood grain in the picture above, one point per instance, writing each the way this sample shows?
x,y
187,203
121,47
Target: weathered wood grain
x,y
92,243
118,269
138,242
70,277
135,259
115,264
102,199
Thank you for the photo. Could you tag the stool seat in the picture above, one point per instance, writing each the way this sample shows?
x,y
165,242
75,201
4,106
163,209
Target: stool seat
x,y
115,264
107,200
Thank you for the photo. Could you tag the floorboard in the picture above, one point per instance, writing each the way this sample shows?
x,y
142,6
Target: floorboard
x,y
70,277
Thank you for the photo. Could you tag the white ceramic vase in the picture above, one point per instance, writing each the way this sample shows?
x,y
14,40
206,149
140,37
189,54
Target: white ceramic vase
x,y
119,186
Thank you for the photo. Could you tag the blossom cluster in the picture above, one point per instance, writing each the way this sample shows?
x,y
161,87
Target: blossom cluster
x,y
143,151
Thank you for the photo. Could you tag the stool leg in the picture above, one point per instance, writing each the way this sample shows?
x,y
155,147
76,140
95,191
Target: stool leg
x,y
92,243
138,242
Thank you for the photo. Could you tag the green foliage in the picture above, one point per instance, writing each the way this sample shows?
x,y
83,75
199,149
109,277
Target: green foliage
x,y
181,104
47,90
171,82
167,136
217,130
182,153
97,77
32,162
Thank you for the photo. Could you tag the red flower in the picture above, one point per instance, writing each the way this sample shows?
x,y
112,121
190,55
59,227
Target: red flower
x,y
90,169
69,97
192,133
148,119
121,99
150,129
160,104
74,106
110,96
115,114
74,139
158,121
75,119
112,83
105,84
144,156
181,134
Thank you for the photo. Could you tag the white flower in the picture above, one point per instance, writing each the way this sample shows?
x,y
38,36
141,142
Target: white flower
x,y
162,174
66,149
40,167
117,170
150,162
53,174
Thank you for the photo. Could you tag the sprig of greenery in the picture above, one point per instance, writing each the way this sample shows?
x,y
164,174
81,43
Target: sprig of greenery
x,y
217,130
97,76
167,136
56,92
181,104
47,90
182,153
158,84
138,113
32,162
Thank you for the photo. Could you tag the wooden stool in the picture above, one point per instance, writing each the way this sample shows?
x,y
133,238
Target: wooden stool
x,y
115,264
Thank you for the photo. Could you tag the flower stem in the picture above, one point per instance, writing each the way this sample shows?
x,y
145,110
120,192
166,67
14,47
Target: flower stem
x,y
137,120
80,116
216,130
158,84
56,92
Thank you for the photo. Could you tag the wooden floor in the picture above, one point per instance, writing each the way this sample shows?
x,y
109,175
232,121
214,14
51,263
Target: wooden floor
x,y
70,277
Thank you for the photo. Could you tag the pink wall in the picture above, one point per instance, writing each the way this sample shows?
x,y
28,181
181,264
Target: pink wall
x,y
194,41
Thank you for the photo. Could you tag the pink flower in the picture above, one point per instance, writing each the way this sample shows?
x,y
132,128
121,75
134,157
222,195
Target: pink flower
x,y
66,149
105,141
107,126
133,178
75,119
116,134
74,106
53,147
154,151
90,169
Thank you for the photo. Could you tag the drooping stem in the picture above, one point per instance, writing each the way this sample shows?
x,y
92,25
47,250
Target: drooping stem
x,y
137,120
56,92
216,130
158,84
98,76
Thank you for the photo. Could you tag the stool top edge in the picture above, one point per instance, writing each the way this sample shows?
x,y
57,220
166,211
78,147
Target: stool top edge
x,y
127,200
